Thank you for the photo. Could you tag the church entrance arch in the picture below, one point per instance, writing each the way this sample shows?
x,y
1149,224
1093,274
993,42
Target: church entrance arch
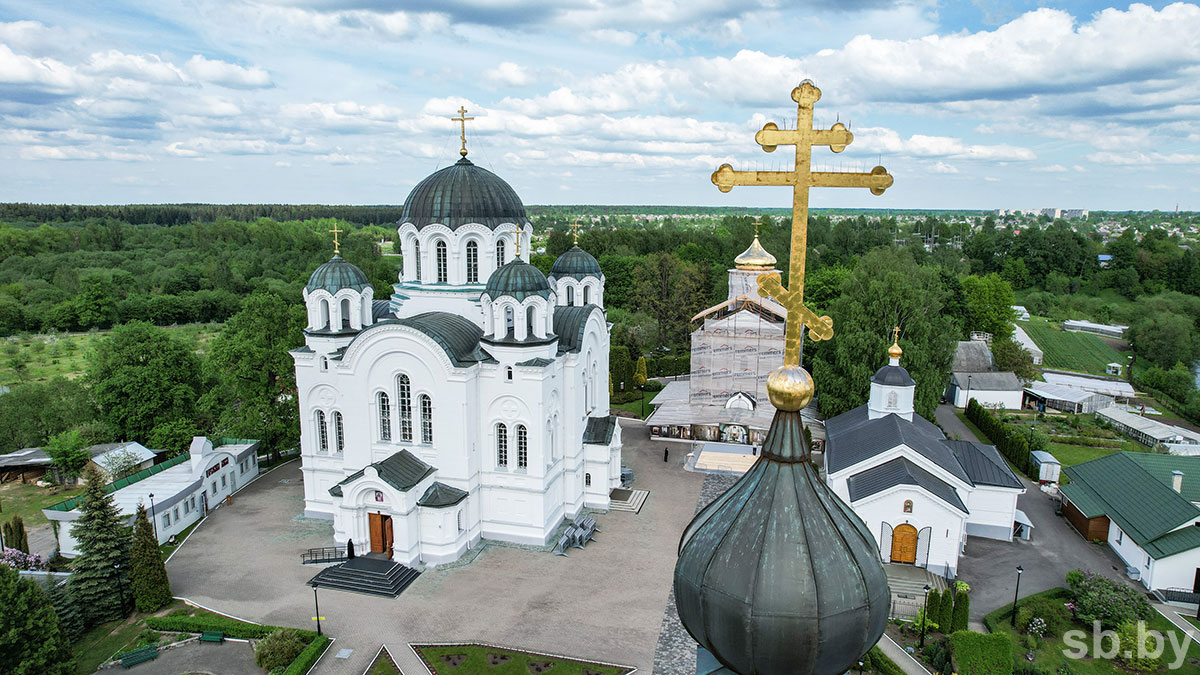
x,y
904,544
381,533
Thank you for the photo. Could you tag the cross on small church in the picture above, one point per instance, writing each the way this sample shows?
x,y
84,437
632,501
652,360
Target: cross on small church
x,y
800,178
575,230
336,231
462,120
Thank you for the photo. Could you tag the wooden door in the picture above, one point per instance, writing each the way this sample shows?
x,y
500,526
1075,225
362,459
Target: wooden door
x,y
904,544
387,535
377,537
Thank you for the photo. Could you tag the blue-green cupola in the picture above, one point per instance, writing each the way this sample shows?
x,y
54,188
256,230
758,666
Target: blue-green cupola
x,y
463,193
518,305
577,279
517,279
577,264
337,274
339,299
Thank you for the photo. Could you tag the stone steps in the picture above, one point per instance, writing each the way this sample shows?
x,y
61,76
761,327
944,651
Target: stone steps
x,y
375,579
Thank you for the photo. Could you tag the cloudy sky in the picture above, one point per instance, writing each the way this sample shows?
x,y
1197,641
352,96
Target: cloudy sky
x,y
970,105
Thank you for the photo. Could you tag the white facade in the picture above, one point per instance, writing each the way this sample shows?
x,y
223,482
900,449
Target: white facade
x,y
463,412
995,400
1176,571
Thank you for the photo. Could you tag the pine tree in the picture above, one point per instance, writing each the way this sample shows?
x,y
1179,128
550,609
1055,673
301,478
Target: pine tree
x,y
15,535
68,612
933,606
962,611
946,618
31,640
147,574
101,568
639,375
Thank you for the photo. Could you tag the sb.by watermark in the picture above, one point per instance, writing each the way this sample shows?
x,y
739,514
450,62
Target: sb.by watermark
x,y
1106,644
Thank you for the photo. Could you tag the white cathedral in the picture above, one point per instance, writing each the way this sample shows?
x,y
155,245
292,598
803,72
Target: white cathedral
x,y
471,404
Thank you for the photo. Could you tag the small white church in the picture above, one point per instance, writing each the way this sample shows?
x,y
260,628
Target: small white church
x,y
473,403
919,493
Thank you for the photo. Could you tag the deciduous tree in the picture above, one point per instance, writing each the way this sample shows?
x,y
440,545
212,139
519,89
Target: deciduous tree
x,y
989,305
69,453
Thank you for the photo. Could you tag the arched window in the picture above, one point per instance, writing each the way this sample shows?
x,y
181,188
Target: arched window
x,y
522,447
322,432
339,431
417,259
345,312
501,445
908,506
426,419
460,521
405,394
585,295
587,480
508,373
529,322
324,364
385,416
472,262
570,296
440,253
509,322
324,314
499,254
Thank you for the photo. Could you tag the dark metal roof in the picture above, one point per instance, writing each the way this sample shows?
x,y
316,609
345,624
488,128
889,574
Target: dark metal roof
x,y
381,309
402,470
972,356
539,362
569,324
440,495
778,575
337,274
456,335
576,263
852,438
463,193
900,471
983,464
599,430
1002,381
518,279
895,376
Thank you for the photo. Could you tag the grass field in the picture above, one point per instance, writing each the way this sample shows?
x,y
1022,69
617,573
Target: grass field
x,y
28,500
635,406
37,358
1070,455
475,661
1079,352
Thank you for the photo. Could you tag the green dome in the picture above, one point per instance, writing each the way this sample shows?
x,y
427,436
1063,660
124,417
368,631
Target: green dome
x,y
463,193
576,263
337,274
518,279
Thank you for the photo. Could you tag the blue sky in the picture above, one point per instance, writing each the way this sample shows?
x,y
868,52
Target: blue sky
x,y
985,104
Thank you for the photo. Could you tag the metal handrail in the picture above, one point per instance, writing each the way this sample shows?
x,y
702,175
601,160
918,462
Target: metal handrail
x,y
323,555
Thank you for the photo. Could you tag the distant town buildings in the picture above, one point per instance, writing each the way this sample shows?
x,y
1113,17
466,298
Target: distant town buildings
x,y
1054,213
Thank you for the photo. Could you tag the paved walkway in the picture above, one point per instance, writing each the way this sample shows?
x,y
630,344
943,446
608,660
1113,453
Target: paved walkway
x,y
200,659
604,602
897,654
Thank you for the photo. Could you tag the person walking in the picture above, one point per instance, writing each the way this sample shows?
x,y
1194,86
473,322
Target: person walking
x,y
666,454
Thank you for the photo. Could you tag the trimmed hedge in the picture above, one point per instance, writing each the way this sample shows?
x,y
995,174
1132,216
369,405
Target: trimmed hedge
x,y
230,627
883,665
308,658
1008,440
1090,441
982,654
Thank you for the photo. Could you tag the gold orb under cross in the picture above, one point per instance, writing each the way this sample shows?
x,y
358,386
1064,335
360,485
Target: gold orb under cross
x,y
790,388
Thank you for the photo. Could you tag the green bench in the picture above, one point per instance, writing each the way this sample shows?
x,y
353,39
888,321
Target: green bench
x,y
139,655
212,636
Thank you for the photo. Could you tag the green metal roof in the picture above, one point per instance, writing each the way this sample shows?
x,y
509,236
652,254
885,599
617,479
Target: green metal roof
x,y
539,362
569,324
518,279
463,193
337,274
599,430
440,495
403,470
1134,490
71,503
457,336
576,263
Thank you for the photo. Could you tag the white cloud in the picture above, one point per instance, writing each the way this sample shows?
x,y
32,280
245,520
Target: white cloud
x,y
608,36
889,141
1134,158
1053,168
42,74
942,167
138,67
227,74
67,152
509,74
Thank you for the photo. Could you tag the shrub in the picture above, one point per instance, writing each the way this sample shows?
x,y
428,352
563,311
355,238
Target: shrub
x,y
230,627
962,587
279,648
946,617
962,612
933,607
307,658
979,654
1134,656
930,624
1056,618
1098,598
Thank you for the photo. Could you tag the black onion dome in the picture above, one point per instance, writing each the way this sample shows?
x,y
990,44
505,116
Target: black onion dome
x,y
895,376
463,193
518,279
778,576
337,274
576,263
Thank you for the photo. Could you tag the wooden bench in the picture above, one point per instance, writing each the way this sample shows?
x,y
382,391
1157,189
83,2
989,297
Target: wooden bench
x,y
212,636
139,655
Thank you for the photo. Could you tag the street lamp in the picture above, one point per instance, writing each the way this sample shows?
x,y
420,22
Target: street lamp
x,y
925,616
317,609
120,586
1016,593
153,520
968,392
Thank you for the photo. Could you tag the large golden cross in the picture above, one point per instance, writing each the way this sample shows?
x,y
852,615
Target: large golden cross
x,y
801,178
336,248
575,230
462,120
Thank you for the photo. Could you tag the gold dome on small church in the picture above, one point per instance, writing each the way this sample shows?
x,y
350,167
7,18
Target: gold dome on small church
x,y
755,258
895,351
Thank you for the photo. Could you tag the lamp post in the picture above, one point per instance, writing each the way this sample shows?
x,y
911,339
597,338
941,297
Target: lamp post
x,y
120,586
317,610
968,392
153,518
1016,594
925,615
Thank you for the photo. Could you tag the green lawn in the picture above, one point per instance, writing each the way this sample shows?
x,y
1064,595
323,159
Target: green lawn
x,y
1080,352
383,665
168,549
27,500
518,663
1070,455
635,406
1049,656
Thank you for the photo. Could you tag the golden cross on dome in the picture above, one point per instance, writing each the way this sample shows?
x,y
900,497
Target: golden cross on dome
x,y
462,120
336,248
896,335
800,178
575,230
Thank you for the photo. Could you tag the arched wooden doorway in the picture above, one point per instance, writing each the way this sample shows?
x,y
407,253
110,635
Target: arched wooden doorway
x,y
904,544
